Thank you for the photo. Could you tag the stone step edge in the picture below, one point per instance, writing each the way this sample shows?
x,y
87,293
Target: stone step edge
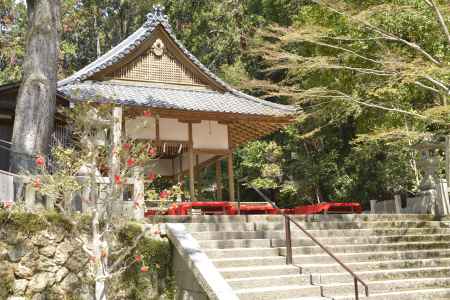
x,y
361,273
330,247
299,256
326,238
300,266
362,296
293,287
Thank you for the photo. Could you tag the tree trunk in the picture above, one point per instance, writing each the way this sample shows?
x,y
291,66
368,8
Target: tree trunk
x,y
35,108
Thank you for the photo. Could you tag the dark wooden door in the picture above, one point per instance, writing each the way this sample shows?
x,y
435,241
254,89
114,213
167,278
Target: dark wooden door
x,y
5,135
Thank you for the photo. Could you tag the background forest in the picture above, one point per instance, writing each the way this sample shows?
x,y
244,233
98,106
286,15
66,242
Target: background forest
x,y
369,79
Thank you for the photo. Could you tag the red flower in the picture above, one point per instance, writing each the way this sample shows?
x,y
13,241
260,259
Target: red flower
x,y
152,151
147,113
117,179
130,162
144,269
138,258
40,161
151,176
164,194
126,146
37,183
8,204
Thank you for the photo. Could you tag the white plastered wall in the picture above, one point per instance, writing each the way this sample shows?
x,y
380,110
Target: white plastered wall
x,y
173,130
210,135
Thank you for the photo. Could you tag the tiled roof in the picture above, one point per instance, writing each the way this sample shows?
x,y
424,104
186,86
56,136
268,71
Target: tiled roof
x,y
230,101
166,97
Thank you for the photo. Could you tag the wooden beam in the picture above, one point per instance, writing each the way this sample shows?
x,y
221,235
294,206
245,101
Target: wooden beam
x,y
219,179
189,121
180,174
191,165
212,151
231,177
157,133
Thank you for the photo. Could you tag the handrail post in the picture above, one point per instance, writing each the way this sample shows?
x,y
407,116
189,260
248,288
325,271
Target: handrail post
x,y
287,230
356,288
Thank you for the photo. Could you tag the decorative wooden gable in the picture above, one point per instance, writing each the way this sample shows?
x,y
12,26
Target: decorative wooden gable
x,y
157,64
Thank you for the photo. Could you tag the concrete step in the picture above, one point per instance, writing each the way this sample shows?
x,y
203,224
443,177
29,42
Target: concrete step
x,y
265,226
343,289
282,269
264,281
379,275
376,265
358,248
236,226
342,217
279,234
410,294
332,278
245,272
248,243
241,252
373,256
238,243
386,286
363,240
326,259
279,218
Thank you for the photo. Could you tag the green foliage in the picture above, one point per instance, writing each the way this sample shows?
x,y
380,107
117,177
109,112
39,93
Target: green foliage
x,y
30,223
156,254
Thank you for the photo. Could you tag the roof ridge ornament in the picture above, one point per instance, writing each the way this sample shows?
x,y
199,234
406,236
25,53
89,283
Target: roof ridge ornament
x,y
157,16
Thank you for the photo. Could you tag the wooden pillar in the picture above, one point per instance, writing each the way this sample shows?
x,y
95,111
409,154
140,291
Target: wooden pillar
x,y
180,173
219,179
231,176
191,165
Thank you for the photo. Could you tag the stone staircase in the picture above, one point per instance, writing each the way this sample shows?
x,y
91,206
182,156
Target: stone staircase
x,y
398,256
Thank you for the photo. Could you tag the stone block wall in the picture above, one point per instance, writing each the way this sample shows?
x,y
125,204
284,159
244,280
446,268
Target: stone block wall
x,y
48,264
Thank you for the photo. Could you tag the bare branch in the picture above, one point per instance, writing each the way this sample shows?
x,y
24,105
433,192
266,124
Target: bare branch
x,y
343,49
437,82
440,19
386,35
128,251
426,86
361,70
398,110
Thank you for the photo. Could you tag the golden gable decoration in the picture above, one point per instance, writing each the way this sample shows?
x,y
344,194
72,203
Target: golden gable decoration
x,y
157,65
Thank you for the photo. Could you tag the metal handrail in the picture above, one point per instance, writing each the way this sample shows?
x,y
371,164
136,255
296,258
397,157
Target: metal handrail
x,y
356,278
287,222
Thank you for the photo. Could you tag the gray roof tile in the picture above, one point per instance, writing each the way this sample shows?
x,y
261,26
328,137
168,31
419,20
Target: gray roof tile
x,y
171,98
